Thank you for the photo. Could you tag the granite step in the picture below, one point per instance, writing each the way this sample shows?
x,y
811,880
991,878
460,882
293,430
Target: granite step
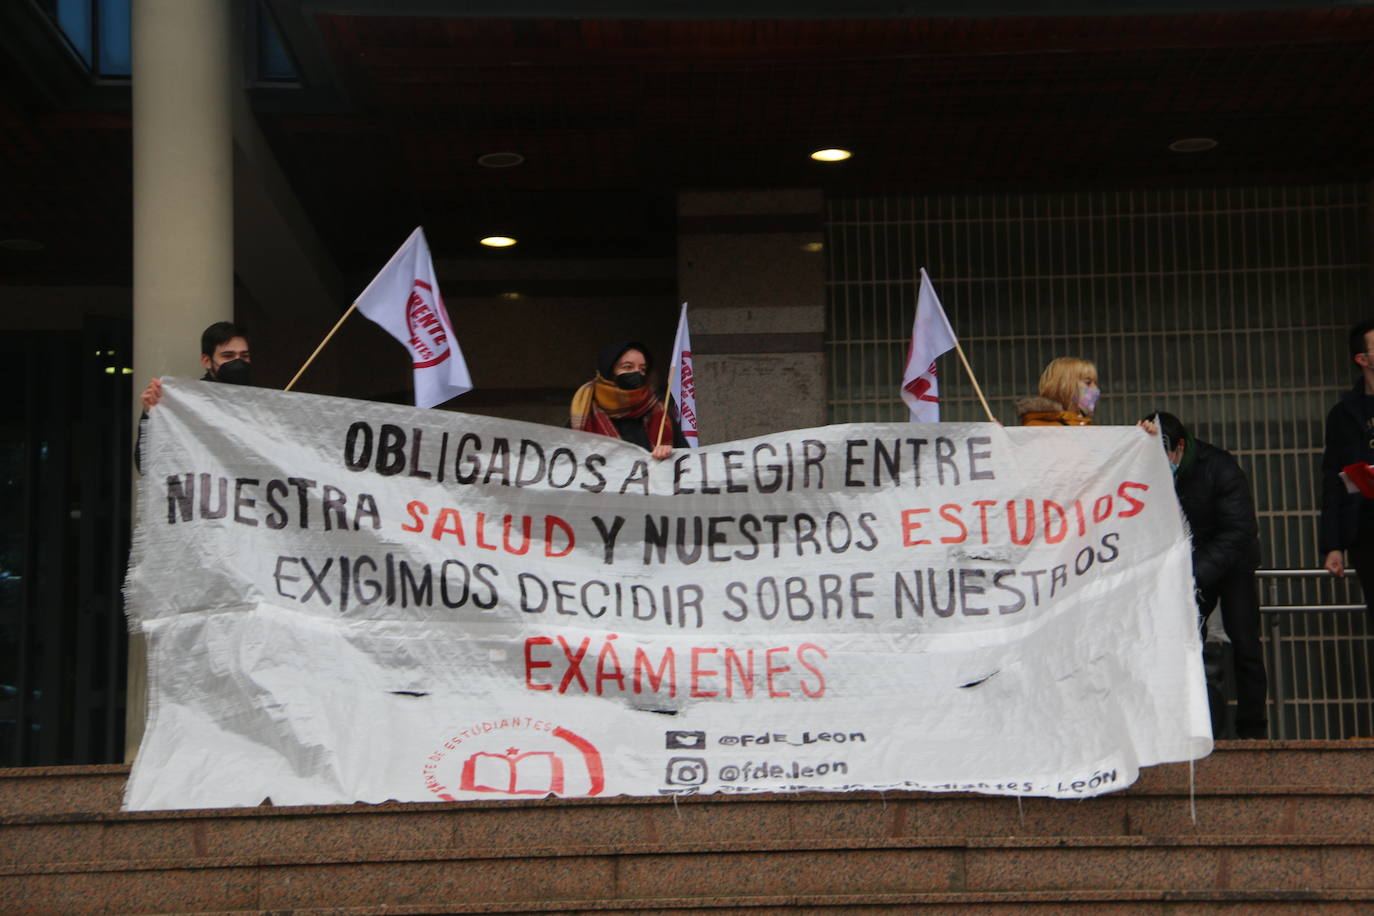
x,y
1256,765
26,790
531,826
1256,827
1111,903
649,878
1314,764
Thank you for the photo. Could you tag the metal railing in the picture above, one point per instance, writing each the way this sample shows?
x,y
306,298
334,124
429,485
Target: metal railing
x,y
1319,656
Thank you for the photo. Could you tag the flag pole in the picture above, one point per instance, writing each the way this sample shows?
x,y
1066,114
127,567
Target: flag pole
x,y
295,378
973,378
667,399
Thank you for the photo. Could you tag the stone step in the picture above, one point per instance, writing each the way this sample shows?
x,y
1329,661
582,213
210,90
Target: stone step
x,y
1315,764
1110,903
25,790
1255,766
1256,827
610,875
530,827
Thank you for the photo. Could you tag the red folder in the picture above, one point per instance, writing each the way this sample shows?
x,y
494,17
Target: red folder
x,y
1359,478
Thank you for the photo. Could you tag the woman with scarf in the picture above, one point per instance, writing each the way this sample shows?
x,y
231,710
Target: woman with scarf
x,y
619,403
1068,395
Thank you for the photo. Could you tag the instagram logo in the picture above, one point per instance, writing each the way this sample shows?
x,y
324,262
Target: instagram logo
x,y
685,771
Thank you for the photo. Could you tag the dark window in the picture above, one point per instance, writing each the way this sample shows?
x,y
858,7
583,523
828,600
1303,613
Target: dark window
x,y
273,64
98,31
65,455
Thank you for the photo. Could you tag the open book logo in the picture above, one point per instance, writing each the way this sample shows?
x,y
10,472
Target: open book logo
x,y
517,755
530,773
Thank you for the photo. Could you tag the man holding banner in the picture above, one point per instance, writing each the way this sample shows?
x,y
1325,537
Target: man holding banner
x,y
224,355
1215,496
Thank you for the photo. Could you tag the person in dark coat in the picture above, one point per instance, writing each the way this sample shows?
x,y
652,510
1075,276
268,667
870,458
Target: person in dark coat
x,y
619,403
1215,495
1347,519
225,357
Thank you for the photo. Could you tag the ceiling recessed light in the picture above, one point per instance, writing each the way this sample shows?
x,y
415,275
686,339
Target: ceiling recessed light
x,y
498,241
813,247
22,244
1193,145
510,296
831,155
500,160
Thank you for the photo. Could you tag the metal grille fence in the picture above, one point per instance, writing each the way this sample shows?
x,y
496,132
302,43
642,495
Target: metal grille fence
x,y
1320,657
1225,306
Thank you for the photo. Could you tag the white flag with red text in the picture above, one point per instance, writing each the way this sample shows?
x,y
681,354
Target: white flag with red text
x,y
683,388
404,299
931,336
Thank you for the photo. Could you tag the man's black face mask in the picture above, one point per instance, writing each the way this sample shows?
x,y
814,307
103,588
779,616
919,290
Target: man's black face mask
x,y
235,372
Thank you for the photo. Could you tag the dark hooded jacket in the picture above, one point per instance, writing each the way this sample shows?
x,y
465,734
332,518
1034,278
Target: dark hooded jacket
x,y
1215,496
632,429
1349,438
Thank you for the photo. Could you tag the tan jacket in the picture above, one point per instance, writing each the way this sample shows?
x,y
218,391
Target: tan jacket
x,y
1038,411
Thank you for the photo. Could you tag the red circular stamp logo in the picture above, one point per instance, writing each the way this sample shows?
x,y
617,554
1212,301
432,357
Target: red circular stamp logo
x,y
515,756
427,325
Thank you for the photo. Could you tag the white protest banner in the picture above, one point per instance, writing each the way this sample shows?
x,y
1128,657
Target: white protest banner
x,y
353,601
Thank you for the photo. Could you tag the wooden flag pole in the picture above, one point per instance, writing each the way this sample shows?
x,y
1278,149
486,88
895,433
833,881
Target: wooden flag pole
x,y
667,399
973,378
295,378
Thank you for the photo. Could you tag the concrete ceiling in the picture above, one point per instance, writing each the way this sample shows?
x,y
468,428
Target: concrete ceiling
x,y
615,113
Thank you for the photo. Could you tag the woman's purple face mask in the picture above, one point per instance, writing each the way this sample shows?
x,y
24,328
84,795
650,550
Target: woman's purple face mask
x,y
1088,393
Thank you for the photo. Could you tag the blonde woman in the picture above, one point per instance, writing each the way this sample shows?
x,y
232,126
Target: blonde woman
x,y
1068,395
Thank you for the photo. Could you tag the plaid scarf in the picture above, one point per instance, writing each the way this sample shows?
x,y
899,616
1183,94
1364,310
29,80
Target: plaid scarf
x,y
598,402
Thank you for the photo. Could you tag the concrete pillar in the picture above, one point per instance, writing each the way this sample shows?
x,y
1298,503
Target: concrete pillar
x,y
750,266
183,181
183,205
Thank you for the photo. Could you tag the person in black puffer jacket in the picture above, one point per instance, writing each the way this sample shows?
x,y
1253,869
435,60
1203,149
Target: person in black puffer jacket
x,y
1215,495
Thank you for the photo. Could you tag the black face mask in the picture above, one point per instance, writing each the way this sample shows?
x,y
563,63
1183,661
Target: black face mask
x,y
629,380
235,372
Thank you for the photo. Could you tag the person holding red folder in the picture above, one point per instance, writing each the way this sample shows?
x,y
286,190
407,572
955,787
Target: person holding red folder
x,y
1346,533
